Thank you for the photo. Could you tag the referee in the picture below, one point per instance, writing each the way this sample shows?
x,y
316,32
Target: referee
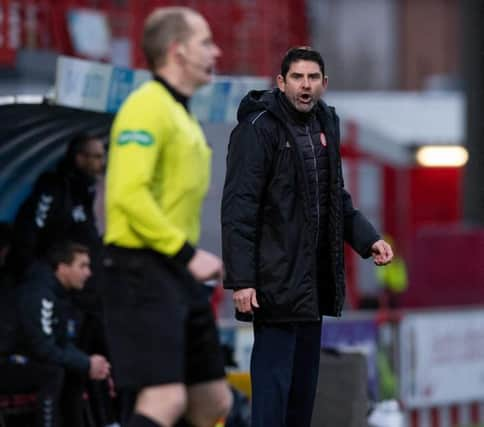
x,y
161,333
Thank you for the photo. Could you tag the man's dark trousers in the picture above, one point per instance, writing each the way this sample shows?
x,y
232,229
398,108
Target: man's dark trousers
x,y
284,373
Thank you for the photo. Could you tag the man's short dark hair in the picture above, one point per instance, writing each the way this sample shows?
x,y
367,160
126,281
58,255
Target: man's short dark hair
x,y
64,253
301,53
76,145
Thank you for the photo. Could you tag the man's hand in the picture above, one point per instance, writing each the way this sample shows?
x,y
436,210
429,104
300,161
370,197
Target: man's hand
x,y
99,368
205,266
382,252
245,300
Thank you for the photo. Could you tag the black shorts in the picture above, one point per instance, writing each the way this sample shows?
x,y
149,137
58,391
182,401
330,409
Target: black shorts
x,y
159,324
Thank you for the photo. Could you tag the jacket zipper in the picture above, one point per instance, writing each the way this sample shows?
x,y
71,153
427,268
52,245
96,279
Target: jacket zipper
x,y
316,301
317,182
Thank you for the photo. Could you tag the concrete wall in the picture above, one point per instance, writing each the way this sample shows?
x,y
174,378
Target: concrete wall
x,y
358,40
388,44
430,42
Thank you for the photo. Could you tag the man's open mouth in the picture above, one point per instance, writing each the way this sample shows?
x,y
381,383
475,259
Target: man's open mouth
x,y
305,98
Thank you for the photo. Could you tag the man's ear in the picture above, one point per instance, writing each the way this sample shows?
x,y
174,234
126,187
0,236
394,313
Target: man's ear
x,y
178,51
325,82
281,83
173,51
60,272
79,159
181,50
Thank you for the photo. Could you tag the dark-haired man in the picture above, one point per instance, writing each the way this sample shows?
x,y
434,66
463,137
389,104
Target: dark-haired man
x,y
160,327
285,217
60,208
61,204
44,358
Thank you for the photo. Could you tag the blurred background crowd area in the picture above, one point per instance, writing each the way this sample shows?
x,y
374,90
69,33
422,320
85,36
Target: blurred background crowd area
x,y
368,45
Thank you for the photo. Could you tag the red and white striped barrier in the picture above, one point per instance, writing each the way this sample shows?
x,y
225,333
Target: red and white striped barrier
x,y
456,415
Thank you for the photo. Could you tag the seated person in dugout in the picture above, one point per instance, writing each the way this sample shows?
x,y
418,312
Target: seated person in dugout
x,y
37,353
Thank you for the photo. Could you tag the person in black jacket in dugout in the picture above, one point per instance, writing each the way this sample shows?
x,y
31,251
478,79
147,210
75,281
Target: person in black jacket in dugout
x,y
61,207
61,204
43,357
285,218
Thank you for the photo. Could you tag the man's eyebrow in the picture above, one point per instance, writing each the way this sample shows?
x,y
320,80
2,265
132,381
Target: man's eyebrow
x,y
296,74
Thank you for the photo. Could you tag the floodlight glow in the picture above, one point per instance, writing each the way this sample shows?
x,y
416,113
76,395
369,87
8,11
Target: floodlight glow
x,y
441,156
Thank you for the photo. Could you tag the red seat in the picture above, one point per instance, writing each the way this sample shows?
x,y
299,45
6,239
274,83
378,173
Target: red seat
x,y
15,404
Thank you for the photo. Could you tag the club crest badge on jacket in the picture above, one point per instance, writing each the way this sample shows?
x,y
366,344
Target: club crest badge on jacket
x,y
322,138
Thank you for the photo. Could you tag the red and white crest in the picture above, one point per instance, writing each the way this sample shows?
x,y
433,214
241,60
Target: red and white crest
x,y
322,138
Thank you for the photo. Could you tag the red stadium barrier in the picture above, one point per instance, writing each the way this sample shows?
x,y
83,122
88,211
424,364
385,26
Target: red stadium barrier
x,y
16,404
455,415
